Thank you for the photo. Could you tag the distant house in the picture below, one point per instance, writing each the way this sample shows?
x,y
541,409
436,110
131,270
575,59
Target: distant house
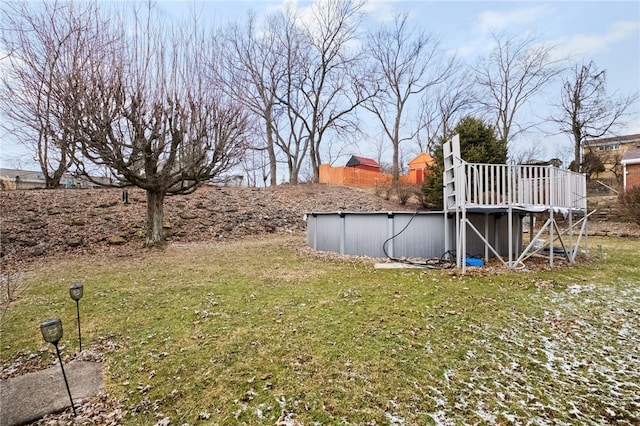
x,y
555,162
29,179
363,163
631,168
611,151
232,180
21,179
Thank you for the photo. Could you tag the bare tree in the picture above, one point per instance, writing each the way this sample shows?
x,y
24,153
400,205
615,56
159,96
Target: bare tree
x,y
442,107
291,129
256,168
586,111
252,69
527,153
45,42
406,63
322,91
148,113
515,70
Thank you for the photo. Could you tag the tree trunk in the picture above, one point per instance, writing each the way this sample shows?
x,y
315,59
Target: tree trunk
x,y
577,150
155,216
273,171
395,169
51,182
315,160
293,175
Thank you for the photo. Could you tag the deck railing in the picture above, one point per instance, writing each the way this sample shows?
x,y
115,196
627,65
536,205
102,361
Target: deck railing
x,y
502,185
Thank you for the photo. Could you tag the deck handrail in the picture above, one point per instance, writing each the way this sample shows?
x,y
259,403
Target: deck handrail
x,y
525,185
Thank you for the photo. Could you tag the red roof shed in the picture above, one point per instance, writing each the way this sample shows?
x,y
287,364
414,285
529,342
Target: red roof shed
x,y
363,163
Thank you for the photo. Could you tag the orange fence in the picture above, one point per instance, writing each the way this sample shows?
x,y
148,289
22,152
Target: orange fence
x,y
414,177
351,176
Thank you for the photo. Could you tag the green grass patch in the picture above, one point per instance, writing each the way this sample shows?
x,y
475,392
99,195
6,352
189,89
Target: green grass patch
x,y
236,333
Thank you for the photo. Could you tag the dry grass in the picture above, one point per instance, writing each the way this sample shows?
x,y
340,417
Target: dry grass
x,y
240,332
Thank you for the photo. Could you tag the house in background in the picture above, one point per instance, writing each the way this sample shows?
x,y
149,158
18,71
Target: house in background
x,y
611,151
11,179
631,168
21,179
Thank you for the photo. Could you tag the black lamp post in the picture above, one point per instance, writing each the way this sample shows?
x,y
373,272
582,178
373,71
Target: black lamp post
x,y
52,333
75,291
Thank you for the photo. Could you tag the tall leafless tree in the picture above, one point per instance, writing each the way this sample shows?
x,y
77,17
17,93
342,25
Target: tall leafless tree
x,y
292,134
148,113
407,63
255,166
322,92
45,42
252,69
443,106
586,110
516,69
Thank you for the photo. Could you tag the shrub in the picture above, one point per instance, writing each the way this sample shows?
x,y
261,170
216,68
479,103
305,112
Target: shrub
x,y
404,192
383,189
630,202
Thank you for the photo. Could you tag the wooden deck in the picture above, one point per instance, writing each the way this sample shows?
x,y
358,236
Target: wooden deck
x,y
499,189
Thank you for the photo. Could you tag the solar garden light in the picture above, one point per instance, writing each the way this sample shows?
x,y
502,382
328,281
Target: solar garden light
x,y
52,333
75,291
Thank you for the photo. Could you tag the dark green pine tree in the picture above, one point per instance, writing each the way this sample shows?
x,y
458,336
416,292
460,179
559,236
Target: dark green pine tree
x,y
478,144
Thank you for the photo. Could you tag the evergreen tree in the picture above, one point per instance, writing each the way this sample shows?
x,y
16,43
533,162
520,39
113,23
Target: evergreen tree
x,y
478,144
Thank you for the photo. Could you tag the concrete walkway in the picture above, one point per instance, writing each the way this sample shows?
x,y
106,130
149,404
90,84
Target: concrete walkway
x,y
29,397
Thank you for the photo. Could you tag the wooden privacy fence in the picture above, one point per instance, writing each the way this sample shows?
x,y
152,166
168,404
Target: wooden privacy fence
x,y
352,176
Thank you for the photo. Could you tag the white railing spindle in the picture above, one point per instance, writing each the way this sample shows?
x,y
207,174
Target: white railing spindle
x,y
500,184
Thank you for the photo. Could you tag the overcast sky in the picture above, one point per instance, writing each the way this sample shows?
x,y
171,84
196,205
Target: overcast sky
x,y
607,32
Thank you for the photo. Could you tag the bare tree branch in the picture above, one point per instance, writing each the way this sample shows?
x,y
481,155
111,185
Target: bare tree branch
x,y
322,90
152,116
586,111
252,69
406,63
442,107
45,43
516,69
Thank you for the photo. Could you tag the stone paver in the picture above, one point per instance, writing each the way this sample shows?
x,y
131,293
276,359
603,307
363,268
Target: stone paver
x,y
31,396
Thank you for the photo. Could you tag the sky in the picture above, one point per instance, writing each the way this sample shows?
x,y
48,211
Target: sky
x,y
606,32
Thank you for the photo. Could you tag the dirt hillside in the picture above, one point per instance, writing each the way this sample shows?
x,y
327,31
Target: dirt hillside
x,y
48,223
45,223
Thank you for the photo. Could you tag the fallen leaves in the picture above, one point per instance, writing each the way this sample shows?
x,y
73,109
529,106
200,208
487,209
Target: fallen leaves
x,y
71,222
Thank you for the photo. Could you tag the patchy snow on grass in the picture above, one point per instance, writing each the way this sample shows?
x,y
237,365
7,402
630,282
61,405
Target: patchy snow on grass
x,y
394,419
577,288
576,364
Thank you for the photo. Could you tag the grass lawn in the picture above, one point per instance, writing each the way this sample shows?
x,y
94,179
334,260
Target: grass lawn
x,y
236,333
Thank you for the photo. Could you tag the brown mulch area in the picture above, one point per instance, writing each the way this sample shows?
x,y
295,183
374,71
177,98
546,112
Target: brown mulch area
x,y
40,224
